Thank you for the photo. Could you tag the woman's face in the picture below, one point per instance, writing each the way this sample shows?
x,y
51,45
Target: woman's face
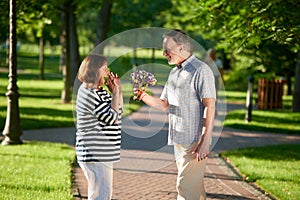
x,y
103,72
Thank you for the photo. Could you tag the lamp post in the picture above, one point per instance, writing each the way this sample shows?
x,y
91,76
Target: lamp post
x,y
249,99
12,130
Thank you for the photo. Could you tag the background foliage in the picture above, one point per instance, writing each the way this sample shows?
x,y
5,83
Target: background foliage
x,y
258,37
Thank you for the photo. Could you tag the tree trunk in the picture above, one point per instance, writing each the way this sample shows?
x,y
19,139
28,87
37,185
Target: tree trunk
x,y
296,95
65,42
153,60
135,59
74,45
103,23
12,130
7,52
288,78
42,58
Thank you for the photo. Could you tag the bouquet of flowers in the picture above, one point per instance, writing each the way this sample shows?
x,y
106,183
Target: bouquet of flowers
x,y
140,80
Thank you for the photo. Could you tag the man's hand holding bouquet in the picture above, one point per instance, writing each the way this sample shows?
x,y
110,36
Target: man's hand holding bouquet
x,y
140,80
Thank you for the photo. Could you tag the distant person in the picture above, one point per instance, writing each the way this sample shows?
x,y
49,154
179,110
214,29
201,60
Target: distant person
x,y
188,93
98,136
219,64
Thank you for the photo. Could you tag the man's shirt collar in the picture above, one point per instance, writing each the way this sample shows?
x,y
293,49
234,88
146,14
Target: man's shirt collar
x,y
185,63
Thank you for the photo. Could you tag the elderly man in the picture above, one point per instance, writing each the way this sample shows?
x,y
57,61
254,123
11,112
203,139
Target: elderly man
x,y
189,95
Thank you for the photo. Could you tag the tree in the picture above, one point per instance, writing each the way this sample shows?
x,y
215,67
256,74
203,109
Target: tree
x,y
4,22
65,54
69,58
4,29
12,130
140,16
103,22
255,30
35,24
74,44
296,95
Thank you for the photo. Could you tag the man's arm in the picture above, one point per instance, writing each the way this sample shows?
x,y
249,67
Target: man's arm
x,y
201,149
154,102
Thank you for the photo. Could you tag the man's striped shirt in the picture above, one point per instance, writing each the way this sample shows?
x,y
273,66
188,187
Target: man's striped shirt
x,y
184,91
98,138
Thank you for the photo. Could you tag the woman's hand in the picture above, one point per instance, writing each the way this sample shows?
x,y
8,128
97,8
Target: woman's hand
x,y
114,83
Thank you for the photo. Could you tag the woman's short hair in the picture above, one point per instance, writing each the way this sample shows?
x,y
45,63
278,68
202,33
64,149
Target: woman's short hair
x,y
180,38
89,68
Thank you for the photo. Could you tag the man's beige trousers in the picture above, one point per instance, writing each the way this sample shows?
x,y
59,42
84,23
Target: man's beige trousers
x,y
190,179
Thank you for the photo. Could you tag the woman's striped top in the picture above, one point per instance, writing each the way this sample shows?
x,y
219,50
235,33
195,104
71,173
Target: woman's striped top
x,y
98,137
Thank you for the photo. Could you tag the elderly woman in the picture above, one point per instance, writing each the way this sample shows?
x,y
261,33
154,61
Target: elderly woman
x,y
98,136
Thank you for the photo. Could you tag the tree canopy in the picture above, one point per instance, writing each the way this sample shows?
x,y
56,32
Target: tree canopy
x,y
256,35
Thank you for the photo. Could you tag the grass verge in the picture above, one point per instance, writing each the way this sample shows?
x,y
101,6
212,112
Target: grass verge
x,y
274,121
274,168
36,170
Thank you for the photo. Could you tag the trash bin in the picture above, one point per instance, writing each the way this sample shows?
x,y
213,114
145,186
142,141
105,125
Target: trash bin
x,y
270,94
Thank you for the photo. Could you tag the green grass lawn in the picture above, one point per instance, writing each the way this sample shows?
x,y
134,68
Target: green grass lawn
x,y
274,121
36,170
274,168
277,121
40,105
234,96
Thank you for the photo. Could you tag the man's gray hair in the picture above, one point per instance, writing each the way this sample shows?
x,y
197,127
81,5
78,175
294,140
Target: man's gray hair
x,y
180,38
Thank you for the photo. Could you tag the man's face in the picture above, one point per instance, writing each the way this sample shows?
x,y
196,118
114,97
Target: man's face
x,y
172,51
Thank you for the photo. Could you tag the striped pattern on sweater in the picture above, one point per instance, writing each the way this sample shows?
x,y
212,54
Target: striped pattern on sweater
x,y
98,138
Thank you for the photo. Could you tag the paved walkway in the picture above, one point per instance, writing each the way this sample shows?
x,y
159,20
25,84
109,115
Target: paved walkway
x,y
147,169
